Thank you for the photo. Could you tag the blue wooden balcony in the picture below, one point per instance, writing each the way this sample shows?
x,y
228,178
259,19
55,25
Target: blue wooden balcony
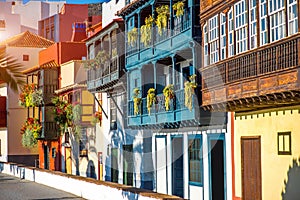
x,y
103,76
158,116
173,38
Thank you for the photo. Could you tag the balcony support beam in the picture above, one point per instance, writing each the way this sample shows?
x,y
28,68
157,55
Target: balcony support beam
x,y
100,106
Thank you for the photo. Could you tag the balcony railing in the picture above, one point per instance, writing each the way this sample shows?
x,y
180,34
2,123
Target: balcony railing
x,y
104,74
267,59
49,131
272,69
178,111
180,25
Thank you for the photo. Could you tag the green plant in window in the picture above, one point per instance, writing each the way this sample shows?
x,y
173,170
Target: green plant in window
x,y
189,90
169,94
163,14
151,99
179,8
136,101
132,37
146,33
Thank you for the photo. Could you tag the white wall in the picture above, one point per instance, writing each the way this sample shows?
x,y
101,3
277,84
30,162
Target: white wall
x,y
110,9
3,138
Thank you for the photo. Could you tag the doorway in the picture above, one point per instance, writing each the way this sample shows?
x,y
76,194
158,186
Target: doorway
x,y
127,165
46,157
217,167
114,165
177,166
251,168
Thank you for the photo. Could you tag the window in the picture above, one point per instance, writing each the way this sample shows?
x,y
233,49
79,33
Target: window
x,y
277,19
113,113
214,39
2,24
25,57
205,40
241,26
195,160
83,143
223,36
53,152
252,20
263,22
284,143
292,17
230,34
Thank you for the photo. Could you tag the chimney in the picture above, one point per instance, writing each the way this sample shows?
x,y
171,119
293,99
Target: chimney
x,y
79,31
13,7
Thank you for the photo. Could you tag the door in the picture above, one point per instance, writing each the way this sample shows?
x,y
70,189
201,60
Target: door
x,y
177,166
46,157
217,167
251,168
114,165
68,161
161,165
127,165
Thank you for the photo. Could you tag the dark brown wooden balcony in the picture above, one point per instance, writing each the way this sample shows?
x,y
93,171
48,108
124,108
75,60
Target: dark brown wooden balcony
x,y
265,77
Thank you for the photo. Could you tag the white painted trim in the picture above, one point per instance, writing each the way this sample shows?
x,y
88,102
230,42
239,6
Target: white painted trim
x,y
205,166
169,163
228,158
185,165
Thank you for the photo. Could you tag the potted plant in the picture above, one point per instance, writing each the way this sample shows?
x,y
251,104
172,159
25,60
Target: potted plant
x,y
189,90
151,99
31,131
136,101
146,33
163,14
132,36
30,96
168,92
179,8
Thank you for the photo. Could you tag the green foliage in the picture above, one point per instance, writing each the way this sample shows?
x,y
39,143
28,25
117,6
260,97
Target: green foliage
x,y
179,8
30,96
146,33
30,131
151,99
169,94
132,36
163,15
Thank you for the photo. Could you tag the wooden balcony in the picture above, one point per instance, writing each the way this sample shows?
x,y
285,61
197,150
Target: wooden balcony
x,y
178,115
176,38
261,78
104,76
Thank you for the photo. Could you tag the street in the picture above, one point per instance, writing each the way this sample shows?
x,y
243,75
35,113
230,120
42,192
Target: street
x,y
15,189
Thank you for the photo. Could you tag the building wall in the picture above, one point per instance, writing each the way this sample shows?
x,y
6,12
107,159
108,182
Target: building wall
x,y
53,159
109,10
275,168
72,72
3,131
12,23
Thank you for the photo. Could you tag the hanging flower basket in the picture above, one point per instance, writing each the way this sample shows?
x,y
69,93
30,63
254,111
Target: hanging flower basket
x,y
163,15
189,90
179,8
30,96
151,99
146,33
97,118
169,94
31,131
136,101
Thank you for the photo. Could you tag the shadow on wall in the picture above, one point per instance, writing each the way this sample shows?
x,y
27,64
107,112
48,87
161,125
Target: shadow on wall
x,y
291,190
90,170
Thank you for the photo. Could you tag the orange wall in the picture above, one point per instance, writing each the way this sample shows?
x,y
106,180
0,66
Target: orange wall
x,y
73,13
63,52
54,163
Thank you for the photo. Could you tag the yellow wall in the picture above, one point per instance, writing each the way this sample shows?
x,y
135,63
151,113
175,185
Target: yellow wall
x,y
274,167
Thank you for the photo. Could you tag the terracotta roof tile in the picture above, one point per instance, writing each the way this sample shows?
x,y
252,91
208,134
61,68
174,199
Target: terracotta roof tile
x,y
27,39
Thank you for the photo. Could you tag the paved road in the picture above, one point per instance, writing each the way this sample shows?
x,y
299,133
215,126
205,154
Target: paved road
x,y
12,188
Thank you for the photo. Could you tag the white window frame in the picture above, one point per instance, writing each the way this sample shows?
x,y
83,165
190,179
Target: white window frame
x,y
223,36
277,20
263,21
230,33
253,23
292,20
214,39
241,30
205,43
